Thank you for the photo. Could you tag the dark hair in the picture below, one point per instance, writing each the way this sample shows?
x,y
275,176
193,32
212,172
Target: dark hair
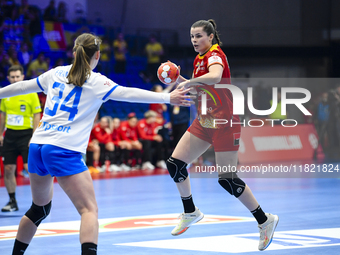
x,y
15,68
85,46
209,26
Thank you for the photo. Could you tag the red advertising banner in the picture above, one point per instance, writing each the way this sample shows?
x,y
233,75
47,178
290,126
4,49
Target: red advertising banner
x,y
278,143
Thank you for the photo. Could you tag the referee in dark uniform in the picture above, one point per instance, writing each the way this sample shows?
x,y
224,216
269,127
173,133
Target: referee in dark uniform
x,y
20,115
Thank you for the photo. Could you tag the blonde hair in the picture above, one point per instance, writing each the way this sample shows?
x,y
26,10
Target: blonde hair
x,y
85,46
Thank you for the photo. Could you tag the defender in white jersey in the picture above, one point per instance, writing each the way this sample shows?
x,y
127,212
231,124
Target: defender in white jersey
x,y
74,95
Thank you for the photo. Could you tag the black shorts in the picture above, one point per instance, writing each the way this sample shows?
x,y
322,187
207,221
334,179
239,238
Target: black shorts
x,y
15,144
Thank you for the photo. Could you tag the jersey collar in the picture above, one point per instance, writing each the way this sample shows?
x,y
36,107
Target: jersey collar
x,y
213,47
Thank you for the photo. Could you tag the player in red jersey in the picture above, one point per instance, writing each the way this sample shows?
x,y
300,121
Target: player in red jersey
x,y
123,148
128,132
101,134
211,67
149,139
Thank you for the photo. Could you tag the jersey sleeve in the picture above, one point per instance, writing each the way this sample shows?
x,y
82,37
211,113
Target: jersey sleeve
x,y
36,107
104,87
44,79
215,58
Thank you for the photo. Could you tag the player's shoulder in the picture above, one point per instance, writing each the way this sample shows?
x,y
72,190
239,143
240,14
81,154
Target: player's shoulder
x,y
215,50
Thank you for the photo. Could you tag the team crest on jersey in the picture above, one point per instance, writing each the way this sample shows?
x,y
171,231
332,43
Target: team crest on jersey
x,y
23,108
199,66
107,83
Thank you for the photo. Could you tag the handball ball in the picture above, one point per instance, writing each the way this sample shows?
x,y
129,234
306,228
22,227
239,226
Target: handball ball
x,y
168,73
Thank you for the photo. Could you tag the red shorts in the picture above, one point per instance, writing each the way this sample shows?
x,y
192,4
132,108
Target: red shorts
x,y
223,139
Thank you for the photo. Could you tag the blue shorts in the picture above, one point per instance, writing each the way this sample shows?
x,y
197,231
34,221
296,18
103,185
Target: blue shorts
x,y
44,159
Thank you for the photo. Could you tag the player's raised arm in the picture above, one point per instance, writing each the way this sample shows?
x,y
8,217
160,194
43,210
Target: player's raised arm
x,y
20,88
176,97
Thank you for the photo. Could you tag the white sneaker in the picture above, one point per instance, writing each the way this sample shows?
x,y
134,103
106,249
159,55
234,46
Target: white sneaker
x,y
115,168
186,220
136,167
267,231
125,167
102,169
147,166
161,164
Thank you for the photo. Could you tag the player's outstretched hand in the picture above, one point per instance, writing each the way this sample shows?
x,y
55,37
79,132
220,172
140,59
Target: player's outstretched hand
x,y
179,97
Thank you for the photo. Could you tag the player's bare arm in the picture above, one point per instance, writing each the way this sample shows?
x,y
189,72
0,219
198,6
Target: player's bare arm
x,y
214,76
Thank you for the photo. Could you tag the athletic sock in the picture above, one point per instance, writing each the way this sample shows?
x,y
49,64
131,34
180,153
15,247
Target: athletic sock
x,y
88,249
95,163
12,197
188,204
259,215
19,248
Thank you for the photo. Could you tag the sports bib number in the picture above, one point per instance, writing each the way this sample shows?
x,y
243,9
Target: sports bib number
x,y
73,110
15,120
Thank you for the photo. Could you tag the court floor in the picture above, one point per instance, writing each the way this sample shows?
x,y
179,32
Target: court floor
x,y
137,214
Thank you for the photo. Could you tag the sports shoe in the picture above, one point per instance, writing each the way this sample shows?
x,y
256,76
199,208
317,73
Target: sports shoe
x,y
267,231
115,168
24,173
186,220
125,167
10,207
148,166
161,164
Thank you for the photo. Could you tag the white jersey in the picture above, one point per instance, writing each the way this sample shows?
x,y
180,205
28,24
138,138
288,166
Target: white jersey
x,y
70,110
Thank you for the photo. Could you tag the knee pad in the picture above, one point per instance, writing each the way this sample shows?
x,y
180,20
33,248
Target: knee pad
x,y
177,169
231,183
38,213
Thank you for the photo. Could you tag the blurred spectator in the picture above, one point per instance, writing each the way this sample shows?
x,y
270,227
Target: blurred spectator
x,y
154,51
323,119
59,62
150,140
13,56
122,147
24,56
37,67
101,133
13,29
35,23
128,132
24,9
50,13
120,49
61,12
69,54
104,66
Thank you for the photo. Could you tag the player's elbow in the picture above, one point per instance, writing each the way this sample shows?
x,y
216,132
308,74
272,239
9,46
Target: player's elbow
x,y
215,79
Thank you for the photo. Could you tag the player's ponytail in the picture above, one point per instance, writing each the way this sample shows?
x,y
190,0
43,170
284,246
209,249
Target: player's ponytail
x,y
85,46
209,26
216,35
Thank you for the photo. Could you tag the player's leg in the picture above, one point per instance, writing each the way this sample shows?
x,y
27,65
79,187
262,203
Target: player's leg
x,y
79,188
235,186
188,149
42,192
11,184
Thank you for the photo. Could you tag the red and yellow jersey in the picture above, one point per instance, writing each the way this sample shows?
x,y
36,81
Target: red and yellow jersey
x,y
219,101
127,133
